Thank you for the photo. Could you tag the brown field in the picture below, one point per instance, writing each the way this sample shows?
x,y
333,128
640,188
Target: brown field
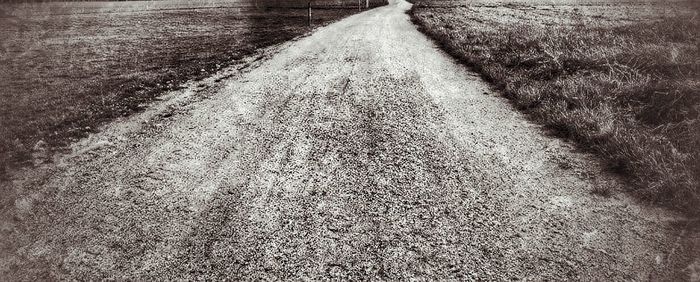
x,y
68,67
621,79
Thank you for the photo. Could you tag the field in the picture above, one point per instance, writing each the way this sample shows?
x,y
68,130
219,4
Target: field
x,y
68,67
621,79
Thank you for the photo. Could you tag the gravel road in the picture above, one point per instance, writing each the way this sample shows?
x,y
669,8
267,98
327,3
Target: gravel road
x,y
359,152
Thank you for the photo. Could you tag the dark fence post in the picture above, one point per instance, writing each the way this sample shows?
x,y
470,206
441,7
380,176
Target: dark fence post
x,y
309,12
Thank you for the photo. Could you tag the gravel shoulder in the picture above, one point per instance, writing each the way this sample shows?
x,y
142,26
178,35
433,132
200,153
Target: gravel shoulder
x,y
359,152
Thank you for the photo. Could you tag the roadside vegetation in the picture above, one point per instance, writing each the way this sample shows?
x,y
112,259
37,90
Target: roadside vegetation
x,y
621,80
68,67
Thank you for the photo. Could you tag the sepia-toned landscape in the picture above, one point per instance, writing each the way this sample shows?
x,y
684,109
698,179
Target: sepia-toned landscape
x,y
491,140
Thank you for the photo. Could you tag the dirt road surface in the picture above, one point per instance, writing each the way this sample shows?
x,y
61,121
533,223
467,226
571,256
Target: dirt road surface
x,y
359,152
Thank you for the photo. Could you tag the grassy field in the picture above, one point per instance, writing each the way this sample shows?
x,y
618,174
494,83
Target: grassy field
x,y
68,67
621,79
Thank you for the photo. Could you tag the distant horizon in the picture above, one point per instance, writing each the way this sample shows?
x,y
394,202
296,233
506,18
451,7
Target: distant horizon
x,y
258,3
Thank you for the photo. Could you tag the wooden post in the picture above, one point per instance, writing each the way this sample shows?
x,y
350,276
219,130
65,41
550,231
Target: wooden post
x,y
359,5
366,4
309,12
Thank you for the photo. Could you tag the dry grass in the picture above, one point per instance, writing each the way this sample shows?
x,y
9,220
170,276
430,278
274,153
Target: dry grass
x,y
69,67
622,80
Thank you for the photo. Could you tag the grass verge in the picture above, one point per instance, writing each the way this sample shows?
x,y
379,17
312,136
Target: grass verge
x,y
68,67
621,81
